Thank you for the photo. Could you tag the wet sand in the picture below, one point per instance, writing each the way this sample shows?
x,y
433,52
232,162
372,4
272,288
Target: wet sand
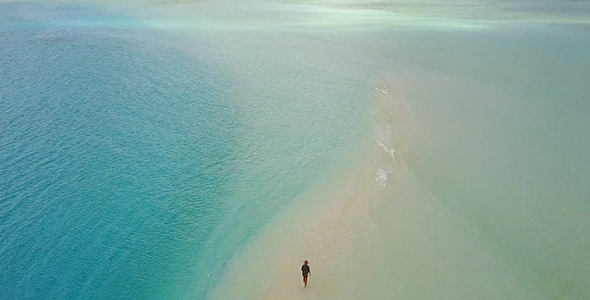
x,y
374,232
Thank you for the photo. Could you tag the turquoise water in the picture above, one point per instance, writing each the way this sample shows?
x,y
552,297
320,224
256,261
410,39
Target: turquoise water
x,y
114,153
122,155
202,150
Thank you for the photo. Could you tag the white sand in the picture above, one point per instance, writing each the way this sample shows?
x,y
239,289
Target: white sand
x,y
373,234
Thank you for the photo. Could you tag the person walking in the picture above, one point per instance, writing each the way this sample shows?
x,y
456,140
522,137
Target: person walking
x,y
305,271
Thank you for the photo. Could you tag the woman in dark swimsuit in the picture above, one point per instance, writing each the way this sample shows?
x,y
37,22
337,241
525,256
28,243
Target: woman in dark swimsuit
x,y
305,271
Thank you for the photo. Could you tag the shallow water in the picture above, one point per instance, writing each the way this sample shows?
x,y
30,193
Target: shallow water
x,y
192,150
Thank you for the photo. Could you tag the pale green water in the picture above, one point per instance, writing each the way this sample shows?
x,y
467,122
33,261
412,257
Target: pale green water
x,y
502,153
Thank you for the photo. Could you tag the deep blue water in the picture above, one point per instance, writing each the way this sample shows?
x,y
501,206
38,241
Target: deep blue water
x,y
112,151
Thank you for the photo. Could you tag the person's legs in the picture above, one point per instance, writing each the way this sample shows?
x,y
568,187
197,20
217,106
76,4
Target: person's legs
x,y
305,280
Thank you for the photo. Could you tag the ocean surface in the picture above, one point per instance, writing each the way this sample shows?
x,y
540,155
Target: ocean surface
x,y
204,149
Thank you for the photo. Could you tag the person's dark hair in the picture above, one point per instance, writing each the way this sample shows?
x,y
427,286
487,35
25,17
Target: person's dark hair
x,y
306,261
